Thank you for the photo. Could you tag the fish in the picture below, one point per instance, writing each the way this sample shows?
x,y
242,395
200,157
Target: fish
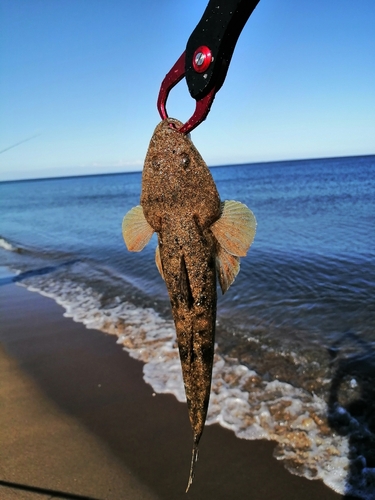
x,y
199,238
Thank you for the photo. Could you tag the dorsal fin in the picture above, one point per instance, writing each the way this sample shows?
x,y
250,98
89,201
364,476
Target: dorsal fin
x,y
235,230
136,231
184,283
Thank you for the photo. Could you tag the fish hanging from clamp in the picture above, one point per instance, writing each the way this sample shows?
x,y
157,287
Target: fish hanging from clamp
x,y
200,237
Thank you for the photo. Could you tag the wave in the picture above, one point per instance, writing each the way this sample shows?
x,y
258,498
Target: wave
x,y
6,245
241,400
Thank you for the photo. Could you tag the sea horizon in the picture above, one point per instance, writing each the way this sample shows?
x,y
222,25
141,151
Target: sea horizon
x,y
252,163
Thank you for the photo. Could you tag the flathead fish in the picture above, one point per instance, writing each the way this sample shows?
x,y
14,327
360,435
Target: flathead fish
x,y
199,237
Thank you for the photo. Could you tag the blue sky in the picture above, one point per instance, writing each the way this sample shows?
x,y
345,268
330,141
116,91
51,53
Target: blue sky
x,y
80,79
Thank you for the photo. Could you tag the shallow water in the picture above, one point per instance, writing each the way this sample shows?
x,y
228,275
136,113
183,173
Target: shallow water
x,y
296,331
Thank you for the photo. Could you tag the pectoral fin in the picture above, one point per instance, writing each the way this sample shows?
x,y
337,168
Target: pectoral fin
x,y
158,261
235,230
136,231
228,266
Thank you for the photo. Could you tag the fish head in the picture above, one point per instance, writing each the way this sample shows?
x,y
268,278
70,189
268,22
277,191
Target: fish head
x,y
176,180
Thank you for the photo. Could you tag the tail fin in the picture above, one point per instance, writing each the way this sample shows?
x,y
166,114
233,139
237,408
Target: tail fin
x,y
194,458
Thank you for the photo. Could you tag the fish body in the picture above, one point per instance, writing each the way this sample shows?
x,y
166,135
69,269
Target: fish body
x,y
198,238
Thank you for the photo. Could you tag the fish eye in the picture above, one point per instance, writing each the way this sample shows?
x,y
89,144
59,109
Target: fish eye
x,y
185,160
155,162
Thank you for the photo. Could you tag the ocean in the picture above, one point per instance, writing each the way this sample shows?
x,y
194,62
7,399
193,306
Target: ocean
x,y
295,354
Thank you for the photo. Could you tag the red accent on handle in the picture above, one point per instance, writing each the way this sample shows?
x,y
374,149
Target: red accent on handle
x,y
201,63
203,105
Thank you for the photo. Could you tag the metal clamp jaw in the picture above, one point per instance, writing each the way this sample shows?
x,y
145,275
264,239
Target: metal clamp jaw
x,y
208,53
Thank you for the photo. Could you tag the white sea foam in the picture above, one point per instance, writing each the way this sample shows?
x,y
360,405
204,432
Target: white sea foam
x,y
240,400
5,245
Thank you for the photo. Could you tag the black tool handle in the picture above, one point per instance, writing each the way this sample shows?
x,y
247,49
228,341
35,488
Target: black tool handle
x,y
219,29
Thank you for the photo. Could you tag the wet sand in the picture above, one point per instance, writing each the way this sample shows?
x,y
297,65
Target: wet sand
x,y
77,417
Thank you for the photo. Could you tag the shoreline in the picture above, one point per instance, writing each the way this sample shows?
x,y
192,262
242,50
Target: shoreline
x,y
94,385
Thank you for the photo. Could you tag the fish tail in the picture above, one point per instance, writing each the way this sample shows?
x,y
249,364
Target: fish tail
x,y
194,458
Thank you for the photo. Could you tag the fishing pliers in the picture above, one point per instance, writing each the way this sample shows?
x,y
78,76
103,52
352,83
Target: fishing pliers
x,y
206,59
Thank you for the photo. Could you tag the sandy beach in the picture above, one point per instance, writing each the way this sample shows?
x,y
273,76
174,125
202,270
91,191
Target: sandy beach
x,y
77,418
